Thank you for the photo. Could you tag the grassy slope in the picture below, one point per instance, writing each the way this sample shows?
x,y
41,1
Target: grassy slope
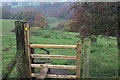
x,y
104,57
53,21
8,40
7,25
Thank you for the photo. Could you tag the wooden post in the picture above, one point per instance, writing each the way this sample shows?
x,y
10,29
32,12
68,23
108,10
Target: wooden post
x,y
118,34
78,69
86,58
22,42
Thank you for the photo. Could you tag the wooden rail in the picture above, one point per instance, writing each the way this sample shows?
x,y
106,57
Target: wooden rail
x,y
55,76
53,46
53,56
61,76
53,66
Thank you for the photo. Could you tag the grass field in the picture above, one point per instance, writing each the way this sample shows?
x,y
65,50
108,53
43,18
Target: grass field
x,y
7,25
53,22
103,57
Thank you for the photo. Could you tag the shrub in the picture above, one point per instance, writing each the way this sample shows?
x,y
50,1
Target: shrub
x,y
46,35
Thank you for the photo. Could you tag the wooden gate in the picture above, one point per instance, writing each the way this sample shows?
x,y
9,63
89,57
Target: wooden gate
x,y
23,34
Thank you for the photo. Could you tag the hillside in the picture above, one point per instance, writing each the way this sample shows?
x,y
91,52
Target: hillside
x,y
56,9
56,13
60,10
54,22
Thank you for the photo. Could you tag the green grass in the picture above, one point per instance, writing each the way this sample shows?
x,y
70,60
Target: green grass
x,y
103,57
54,21
7,25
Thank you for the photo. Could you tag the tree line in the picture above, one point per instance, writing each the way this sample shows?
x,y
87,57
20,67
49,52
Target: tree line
x,y
33,17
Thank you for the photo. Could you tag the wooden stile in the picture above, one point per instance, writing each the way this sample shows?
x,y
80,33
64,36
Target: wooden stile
x,y
53,66
53,56
77,58
26,64
53,46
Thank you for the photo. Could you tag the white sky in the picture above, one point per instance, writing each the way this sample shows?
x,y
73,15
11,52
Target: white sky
x,y
58,0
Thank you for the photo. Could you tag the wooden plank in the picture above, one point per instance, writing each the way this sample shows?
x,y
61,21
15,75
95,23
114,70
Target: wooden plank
x,y
61,76
78,70
53,56
56,76
53,66
53,46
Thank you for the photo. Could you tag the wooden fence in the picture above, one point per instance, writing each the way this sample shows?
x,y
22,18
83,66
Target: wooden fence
x,y
25,57
25,63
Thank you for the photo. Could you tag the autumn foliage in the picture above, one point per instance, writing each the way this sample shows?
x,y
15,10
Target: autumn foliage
x,y
40,20
93,19
33,17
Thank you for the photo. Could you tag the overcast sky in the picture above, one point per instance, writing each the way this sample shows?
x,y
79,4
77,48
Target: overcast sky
x,y
58,0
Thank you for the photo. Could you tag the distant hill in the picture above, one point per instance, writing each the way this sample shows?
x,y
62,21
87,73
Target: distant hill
x,y
56,9
60,10
56,13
